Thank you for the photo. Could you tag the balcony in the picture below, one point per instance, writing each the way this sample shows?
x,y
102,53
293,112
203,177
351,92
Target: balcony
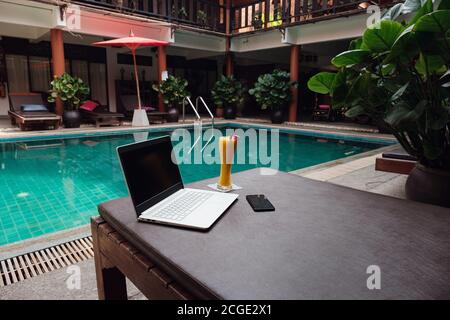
x,y
204,14
248,15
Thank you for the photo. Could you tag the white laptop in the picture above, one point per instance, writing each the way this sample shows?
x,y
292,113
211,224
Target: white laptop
x,y
157,191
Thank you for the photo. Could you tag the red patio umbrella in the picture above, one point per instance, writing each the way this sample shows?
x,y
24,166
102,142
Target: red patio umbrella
x,y
132,42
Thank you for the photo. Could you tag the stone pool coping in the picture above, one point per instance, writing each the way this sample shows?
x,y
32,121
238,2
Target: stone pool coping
x,y
298,127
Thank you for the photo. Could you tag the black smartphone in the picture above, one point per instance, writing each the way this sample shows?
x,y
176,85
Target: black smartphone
x,y
259,203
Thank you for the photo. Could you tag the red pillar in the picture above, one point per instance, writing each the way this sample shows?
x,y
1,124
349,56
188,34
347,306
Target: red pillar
x,y
58,61
228,55
162,66
294,77
229,64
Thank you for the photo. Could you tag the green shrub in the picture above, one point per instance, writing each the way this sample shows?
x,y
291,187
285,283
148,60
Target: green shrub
x,y
173,90
273,90
71,90
398,73
227,91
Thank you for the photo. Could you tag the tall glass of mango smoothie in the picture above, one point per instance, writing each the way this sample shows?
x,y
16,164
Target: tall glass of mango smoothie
x,y
227,148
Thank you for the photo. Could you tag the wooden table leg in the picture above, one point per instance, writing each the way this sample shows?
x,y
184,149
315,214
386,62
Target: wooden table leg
x,y
111,284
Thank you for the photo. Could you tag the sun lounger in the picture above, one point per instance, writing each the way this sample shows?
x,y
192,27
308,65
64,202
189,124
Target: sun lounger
x,y
101,116
129,103
322,112
396,161
29,112
326,242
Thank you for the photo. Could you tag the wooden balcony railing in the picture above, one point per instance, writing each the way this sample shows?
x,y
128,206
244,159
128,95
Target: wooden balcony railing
x,y
246,15
263,14
206,14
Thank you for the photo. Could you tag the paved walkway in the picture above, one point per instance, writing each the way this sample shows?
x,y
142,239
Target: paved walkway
x,y
360,174
54,286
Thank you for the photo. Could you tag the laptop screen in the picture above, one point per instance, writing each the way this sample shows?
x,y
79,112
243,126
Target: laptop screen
x,y
149,171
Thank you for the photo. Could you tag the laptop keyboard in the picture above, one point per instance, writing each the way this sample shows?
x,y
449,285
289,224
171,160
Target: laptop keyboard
x,y
181,207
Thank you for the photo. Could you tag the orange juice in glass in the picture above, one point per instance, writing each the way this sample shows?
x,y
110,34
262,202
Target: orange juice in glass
x,y
227,147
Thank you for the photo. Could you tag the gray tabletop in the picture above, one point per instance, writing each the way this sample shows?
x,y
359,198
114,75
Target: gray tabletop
x,y
318,244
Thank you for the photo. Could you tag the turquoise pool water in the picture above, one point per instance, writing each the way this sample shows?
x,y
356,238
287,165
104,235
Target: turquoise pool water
x,y
52,185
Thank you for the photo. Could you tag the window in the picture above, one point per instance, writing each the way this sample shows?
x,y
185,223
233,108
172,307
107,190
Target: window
x,y
29,68
98,82
39,74
17,69
80,69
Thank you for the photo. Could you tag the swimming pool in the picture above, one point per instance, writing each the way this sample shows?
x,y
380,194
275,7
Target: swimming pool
x,y
48,185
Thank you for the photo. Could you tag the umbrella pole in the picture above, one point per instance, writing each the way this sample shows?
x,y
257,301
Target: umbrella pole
x,y
140,118
137,79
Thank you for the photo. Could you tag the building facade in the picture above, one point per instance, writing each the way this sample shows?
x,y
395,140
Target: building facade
x,y
40,39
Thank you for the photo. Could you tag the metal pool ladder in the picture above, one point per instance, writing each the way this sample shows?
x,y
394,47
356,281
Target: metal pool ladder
x,y
198,122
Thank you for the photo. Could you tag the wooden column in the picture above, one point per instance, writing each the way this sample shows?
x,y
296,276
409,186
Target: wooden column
x,y
228,17
58,61
294,77
228,54
162,66
229,64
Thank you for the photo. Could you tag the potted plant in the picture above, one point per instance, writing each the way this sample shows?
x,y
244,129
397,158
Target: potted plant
x,y
258,20
227,93
180,14
202,18
173,90
398,74
72,91
273,90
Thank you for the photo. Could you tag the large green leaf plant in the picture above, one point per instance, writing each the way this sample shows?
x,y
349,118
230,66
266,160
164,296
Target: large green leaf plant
x,y
71,90
273,90
173,90
398,73
227,91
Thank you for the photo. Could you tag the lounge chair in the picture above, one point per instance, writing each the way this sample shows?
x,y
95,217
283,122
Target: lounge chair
x,y
336,246
322,112
396,161
92,111
323,109
28,111
130,102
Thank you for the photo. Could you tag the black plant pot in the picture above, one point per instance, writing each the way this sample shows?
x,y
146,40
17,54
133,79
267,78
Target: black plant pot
x,y
72,119
383,127
277,116
173,114
229,112
257,24
428,185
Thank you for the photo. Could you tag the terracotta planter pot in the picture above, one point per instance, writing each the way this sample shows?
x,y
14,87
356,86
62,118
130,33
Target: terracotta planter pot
x,y
429,185
219,112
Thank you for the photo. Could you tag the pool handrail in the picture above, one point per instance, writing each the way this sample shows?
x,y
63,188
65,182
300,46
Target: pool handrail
x,y
200,98
188,99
